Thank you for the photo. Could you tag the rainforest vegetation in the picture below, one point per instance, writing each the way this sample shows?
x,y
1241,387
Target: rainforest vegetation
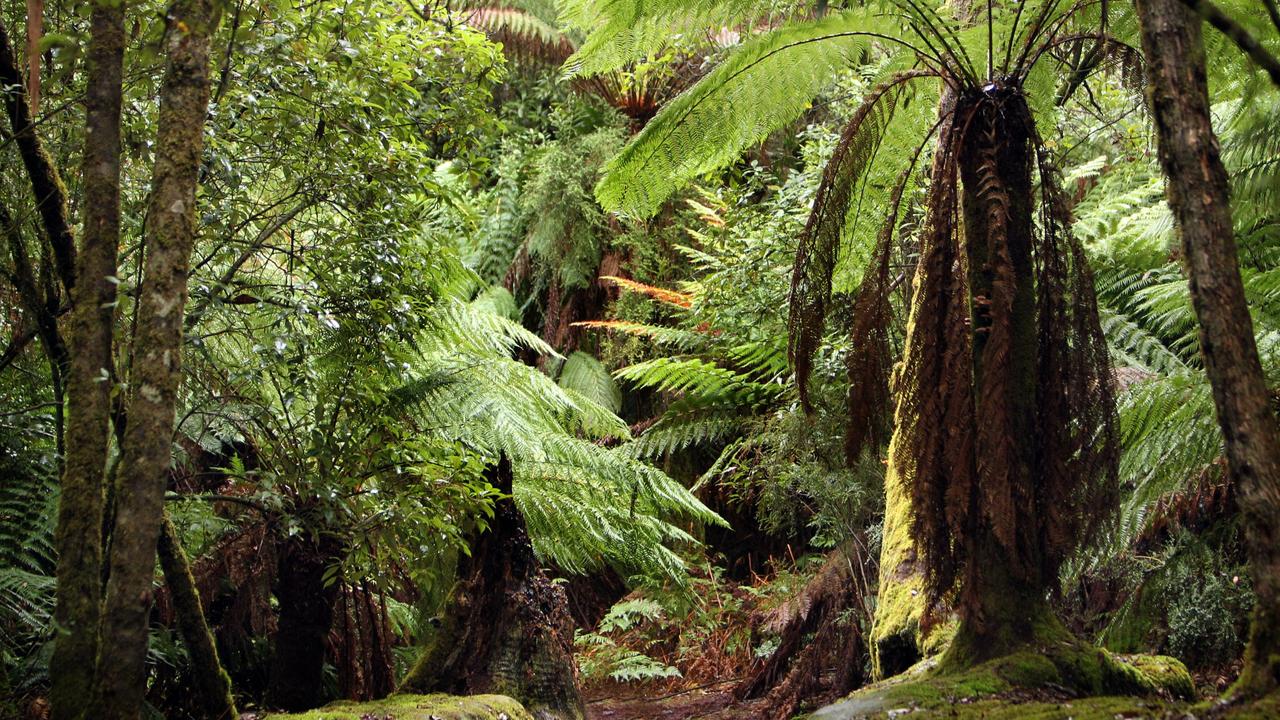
x,y
612,359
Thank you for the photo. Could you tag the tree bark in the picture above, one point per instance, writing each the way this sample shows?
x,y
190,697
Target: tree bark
x,y
506,627
306,616
212,686
1198,190
81,500
994,159
51,194
147,446
35,29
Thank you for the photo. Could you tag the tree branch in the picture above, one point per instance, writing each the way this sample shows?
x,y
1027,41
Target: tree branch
x,y
1237,34
51,194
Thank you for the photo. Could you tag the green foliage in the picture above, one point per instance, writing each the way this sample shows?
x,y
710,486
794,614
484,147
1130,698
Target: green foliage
x,y
600,656
623,31
565,226
763,84
28,509
586,377
1188,601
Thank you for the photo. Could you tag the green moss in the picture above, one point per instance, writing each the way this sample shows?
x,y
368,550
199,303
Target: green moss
x,y
1267,708
1009,686
1164,674
896,638
418,707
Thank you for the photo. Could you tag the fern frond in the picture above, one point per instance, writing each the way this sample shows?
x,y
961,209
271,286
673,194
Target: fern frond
x,y
818,250
676,431
676,337
691,375
523,34
624,31
585,375
760,86
671,297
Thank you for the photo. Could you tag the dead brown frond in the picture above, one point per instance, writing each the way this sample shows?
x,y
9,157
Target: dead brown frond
x,y
819,244
1005,394
671,297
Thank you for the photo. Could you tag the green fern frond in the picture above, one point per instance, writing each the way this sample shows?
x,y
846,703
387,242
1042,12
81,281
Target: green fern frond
x,y
584,374
620,32
676,431
763,84
1136,347
1170,437
691,375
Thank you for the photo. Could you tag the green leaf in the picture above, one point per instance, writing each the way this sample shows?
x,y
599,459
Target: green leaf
x,y
764,84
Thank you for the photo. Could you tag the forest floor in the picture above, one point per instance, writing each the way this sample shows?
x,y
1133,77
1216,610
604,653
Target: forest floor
x,y
707,704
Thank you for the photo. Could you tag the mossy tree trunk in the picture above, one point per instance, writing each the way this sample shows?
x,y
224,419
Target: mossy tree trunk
x,y
82,499
46,183
1002,602
212,685
1198,191
506,627
146,450
897,640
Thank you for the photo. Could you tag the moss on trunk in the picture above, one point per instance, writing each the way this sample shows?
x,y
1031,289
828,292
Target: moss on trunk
x,y
212,685
156,371
506,627
898,639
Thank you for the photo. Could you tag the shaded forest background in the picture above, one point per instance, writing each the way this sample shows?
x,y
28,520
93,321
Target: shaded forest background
x,y
563,333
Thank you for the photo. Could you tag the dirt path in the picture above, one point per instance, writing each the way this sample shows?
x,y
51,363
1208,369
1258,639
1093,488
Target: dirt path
x,y
713,703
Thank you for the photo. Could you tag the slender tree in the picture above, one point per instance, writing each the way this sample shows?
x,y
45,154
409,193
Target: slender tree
x,y
1198,190
81,500
212,686
146,450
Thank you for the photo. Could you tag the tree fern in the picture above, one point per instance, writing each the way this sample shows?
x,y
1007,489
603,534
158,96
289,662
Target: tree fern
x,y
763,84
623,31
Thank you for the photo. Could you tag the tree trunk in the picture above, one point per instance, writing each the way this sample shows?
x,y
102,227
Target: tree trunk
x,y
1198,190
994,159
51,194
35,29
506,627
212,686
306,616
81,500
897,640
147,446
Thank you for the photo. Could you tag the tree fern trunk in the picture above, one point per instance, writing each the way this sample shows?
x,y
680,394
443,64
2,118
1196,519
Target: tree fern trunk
x,y
1003,593
506,627
306,617
1198,191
